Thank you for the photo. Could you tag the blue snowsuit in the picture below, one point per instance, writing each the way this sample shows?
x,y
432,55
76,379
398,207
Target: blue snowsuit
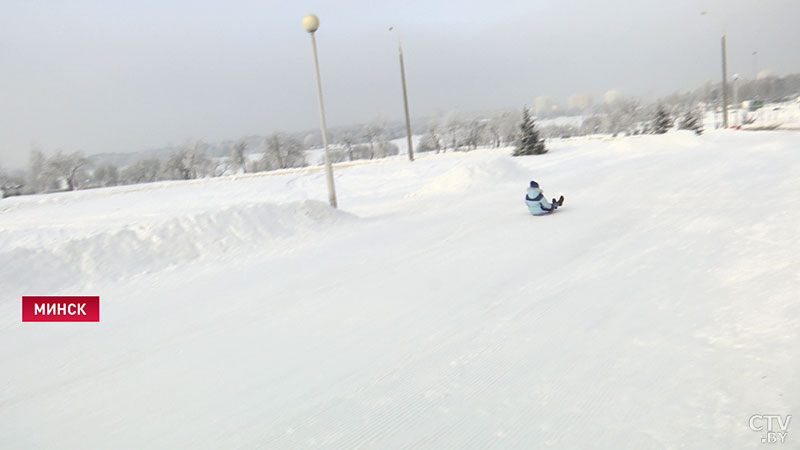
x,y
537,204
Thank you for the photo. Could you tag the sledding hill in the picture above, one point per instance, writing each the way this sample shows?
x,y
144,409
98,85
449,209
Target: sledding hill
x,y
658,309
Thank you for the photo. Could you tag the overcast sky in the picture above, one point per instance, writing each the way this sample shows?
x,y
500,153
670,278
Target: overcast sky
x,y
120,76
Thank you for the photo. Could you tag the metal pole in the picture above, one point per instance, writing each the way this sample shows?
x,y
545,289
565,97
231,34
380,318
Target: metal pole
x,y
738,118
323,128
755,65
724,86
405,94
405,104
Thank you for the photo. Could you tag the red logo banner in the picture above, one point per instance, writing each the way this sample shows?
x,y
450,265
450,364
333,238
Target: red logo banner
x,y
61,309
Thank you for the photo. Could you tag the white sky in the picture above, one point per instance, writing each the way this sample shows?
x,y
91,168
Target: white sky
x,y
119,76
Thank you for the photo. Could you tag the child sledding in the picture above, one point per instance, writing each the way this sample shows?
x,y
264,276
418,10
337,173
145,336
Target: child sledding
x,y
537,204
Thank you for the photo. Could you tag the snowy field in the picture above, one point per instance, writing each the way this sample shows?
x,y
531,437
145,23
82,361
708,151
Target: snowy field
x,y
657,310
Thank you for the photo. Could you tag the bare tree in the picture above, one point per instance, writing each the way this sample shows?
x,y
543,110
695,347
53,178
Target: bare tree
x,y
429,142
186,163
176,166
217,167
384,148
37,177
142,171
66,168
281,152
621,116
436,136
493,130
237,159
105,175
473,133
10,184
272,152
348,141
509,126
591,125
338,154
292,154
4,183
371,134
453,127
361,151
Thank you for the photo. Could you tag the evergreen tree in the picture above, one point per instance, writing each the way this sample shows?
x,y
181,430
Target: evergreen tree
x,y
662,122
691,121
529,142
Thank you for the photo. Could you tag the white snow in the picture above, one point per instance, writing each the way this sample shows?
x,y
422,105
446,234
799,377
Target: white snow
x,y
657,310
784,116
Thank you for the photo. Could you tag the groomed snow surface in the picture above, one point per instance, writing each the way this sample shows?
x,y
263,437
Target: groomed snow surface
x,y
657,310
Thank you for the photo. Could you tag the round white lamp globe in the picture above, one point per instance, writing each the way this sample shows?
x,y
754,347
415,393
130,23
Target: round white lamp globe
x,y
310,23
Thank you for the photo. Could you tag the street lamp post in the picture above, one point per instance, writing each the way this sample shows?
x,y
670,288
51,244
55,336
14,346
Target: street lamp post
x,y
311,24
405,96
724,85
736,98
724,78
755,65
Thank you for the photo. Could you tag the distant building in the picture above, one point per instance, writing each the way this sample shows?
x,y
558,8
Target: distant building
x,y
612,96
580,101
544,105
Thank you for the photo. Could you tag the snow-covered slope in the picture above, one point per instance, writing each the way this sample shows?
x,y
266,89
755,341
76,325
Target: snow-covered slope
x,y
658,309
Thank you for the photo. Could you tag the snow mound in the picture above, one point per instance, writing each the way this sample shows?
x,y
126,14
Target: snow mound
x,y
465,177
152,244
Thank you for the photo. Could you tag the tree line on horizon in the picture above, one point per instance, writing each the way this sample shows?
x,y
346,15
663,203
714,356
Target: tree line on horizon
x,y
454,131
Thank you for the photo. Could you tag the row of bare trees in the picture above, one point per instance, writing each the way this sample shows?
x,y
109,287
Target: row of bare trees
x,y
65,171
10,184
277,152
372,141
462,132
454,132
70,171
625,116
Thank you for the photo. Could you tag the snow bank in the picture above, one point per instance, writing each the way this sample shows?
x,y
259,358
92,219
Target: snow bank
x,y
52,259
462,178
